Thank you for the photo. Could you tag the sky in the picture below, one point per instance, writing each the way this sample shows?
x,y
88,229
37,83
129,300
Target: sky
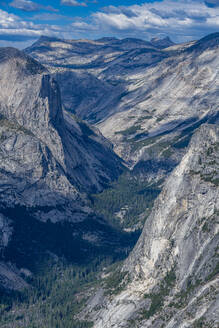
x,y
24,21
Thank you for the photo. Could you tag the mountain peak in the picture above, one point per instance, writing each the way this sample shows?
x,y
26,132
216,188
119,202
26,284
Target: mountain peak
x,y
107,39
9,52
20,61
162,43
47,38
29,94
43,42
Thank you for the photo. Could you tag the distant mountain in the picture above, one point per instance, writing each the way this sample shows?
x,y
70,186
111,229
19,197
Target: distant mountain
x,y
146,99
93,53
107,40
162,43
90,60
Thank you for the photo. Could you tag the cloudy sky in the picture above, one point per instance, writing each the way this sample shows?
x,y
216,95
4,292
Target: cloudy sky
x,y
23,21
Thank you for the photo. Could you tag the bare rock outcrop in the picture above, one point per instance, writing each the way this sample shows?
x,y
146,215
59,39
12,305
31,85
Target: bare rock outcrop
x,y
173,269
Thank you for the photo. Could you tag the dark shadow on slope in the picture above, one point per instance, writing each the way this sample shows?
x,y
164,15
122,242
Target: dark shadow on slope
x,y
32,240
95,175
154,165
208,42
127,202
65,258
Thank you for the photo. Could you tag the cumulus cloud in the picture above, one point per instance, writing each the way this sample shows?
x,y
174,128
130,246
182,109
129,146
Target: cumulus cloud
x,y
74,3
12,28
27,5
181,20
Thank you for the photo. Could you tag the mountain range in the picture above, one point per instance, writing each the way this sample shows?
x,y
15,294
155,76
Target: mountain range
x,y
102,141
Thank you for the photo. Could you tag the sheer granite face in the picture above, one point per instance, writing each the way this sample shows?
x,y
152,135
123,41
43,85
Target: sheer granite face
x,y
173,269
49,160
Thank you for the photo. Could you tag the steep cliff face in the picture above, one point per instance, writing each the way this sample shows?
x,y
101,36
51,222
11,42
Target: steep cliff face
x,y
30,174
49,162
31,98
89,97
173,269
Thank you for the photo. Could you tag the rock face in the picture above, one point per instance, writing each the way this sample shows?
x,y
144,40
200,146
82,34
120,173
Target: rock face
x,y
86,95
5,231
173,269
165,103
49,160
145,98
31,109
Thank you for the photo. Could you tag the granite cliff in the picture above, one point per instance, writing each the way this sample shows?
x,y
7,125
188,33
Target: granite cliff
x,y
49,160
170,279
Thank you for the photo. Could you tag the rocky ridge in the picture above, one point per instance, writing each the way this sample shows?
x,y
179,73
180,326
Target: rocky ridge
x,y
171,276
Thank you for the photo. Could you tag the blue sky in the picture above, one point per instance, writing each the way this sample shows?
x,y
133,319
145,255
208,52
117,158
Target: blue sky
x,y
23,21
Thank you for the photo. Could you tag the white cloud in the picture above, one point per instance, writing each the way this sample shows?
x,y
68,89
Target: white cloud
x,y
25,5
28,5
12,28
181,20
74,3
